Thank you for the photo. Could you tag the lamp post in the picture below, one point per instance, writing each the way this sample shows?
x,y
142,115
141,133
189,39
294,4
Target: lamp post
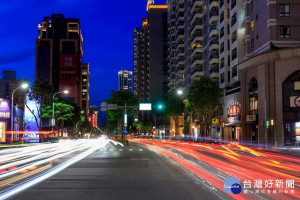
x,y
53,120
23,86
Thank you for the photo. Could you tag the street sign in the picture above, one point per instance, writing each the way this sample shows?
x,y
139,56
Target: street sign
x,y
112,107
125,131
103,104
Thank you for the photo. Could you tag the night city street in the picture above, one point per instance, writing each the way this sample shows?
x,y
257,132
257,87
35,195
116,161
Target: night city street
x,y
146,169
150,100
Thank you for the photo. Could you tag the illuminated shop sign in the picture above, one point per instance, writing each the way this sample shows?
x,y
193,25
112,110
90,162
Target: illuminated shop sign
x,y
234,112
295,101
4,109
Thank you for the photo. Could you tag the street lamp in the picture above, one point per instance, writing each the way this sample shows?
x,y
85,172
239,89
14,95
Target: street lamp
x,y
23,86
53,120
179,92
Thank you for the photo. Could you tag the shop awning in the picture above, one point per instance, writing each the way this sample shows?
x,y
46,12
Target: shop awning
x,y
233,123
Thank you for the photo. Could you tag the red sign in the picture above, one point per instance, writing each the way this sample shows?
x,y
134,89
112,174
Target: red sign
x,y
68,74
234,112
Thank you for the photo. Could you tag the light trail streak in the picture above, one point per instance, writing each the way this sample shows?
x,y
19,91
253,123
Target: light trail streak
x,y
237,161
39,174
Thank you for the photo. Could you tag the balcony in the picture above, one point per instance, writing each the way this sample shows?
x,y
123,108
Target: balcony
x,y
213,16
214,58
197,39
214,72
196,71
213,44
197,26
196,5
213,3
213,30
196,50
197,15
180,63
197,60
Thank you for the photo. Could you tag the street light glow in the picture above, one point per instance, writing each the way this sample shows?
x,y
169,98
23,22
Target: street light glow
x,y
179,92
66,91
25,85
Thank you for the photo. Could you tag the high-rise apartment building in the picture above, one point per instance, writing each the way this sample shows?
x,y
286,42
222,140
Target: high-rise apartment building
x,y
150,53
85,87
59,55
193,41
125,80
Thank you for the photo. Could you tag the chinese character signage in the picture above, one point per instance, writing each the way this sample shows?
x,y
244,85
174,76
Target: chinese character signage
x,y
68,74
234,112
4,109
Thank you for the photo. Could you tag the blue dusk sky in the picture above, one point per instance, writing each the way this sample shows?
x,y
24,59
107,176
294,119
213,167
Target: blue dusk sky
x,y
107,29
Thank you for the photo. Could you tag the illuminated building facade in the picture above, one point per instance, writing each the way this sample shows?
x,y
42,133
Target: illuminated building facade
x,y
150,53
125,80
85,90
59,55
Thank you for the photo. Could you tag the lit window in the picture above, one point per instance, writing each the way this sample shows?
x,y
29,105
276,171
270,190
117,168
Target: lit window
x,y
284,10
252,25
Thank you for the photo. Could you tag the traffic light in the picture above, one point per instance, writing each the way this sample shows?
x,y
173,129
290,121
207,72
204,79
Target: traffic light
x,y
262,123
267,124
160,106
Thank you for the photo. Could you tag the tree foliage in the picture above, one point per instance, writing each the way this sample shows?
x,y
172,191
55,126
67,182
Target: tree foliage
x,y
114,117
41,94
204,98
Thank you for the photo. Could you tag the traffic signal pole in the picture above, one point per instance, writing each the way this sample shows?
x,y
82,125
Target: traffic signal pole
x,y
266,129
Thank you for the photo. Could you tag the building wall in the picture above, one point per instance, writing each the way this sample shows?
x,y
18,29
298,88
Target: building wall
x,y
60,37
271,70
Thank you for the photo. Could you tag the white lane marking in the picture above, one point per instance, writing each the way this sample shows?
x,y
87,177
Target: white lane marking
x,y
120,149
140,149
130,149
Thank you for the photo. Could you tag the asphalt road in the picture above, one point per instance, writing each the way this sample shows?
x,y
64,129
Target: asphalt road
x,y
116,172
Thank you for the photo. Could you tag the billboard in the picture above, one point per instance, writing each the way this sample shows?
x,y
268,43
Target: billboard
x,y
68,74
31,133
145,106
4,119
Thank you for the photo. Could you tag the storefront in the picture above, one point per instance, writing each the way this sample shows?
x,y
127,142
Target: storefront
x,y
270,92
291,109
233,122
5,136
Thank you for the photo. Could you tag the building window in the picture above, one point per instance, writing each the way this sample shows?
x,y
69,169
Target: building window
x,y
234,54
252,25
285,32
253,105
222,63
222,17
233,37
233,19
221,32
222,48
233,4
222,78
252,44
234,71
284,10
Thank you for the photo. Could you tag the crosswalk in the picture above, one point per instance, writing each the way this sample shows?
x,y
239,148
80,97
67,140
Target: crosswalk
x,y
120,149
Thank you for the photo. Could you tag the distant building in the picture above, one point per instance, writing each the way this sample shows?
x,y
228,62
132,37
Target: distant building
x,y
59,55
7,86
85,73
125,80
150,54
